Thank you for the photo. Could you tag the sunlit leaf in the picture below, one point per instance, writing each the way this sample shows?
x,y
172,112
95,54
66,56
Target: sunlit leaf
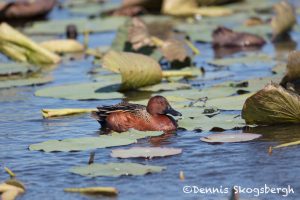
x,y
63,46
287,144
47,113
19,47
137,70
7,69
116,169
272,105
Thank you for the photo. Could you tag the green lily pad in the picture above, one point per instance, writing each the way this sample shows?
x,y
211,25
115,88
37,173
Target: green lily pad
x,y
166,87
84,91
230,137
25,82
229,103
93,8
87,143
7,69
80,144
223,121
82,24
145,152
248,60
116,169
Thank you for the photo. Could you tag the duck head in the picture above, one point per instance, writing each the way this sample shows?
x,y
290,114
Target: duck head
x,y
159,105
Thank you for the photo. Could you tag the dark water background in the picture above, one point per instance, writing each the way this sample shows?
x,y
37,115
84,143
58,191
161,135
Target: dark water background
x,y
46,174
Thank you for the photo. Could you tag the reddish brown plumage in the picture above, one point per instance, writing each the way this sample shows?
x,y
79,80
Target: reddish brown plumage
x,y
124,116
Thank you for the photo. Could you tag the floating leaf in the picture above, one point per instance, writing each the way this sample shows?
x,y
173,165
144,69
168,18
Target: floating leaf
x,y
146,152
19,47
272,105
138,34
284,20
229,137
116,169
166,87
137,70
87,143
287,144
111,191
7,69
83,91
229,103
47,113
185,8
205,123
80,144
25,82
82,24
63,46
245,60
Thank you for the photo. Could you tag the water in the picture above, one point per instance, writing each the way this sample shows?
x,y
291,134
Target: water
x,y
46,174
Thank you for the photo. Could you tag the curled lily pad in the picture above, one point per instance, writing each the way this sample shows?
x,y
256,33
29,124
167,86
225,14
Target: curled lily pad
x,y
272,105
19,47
116,169
11,189
230,137
292,68
137,70
63,46
138,34
146,152
284,20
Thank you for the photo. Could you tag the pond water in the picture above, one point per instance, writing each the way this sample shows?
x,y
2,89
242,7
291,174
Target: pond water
x,y
204,165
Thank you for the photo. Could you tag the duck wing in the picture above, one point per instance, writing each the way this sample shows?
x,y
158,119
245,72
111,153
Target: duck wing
x,y
104,111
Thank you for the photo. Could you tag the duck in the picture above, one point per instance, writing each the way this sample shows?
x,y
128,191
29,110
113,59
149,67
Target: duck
x,y
125,116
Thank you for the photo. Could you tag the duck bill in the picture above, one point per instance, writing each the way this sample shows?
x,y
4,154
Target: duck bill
x,y
173,112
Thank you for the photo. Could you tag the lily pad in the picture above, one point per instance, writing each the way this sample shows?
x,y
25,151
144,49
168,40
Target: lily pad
x,y
230,137
272,105
82,24
205,123
83,91
166,87
146,152
245,60
87,143
116,169
7,69
80,144
137,70
63,46
25,82
229,103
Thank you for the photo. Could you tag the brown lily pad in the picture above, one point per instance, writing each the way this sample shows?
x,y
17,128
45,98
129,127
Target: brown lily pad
x,y
224,37
21,9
